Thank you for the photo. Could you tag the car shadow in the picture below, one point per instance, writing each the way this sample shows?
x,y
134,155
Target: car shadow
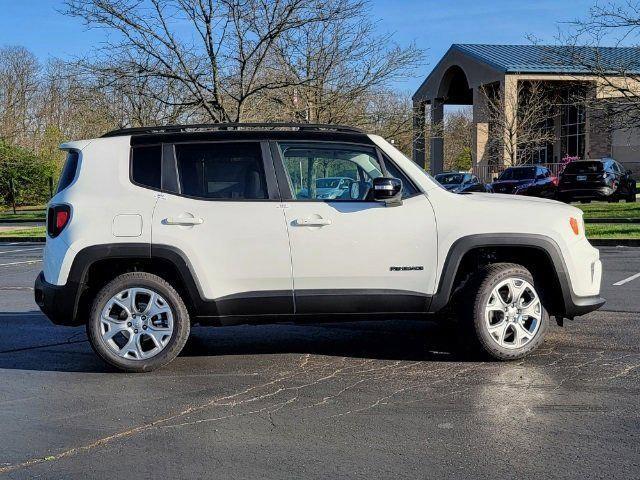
x,y
38,345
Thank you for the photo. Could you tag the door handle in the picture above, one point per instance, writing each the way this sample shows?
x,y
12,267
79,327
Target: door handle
x,y
312,222
183,221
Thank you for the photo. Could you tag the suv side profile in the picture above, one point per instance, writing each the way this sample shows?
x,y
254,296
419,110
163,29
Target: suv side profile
x,y
154,230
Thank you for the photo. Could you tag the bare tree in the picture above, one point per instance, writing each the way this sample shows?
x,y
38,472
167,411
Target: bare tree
x,y
339,67
216,53
518,121
616,89
19,81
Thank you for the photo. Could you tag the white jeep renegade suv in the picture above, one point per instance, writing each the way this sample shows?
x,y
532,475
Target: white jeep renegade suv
x,y
155,229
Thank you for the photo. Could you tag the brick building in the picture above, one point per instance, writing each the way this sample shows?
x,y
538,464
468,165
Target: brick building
x,y
467,72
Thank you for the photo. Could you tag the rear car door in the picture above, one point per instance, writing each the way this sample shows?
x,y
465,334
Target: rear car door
x,y
354,255
220,209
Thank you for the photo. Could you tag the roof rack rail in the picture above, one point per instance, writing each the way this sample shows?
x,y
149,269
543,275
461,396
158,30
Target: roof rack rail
x,y
207,127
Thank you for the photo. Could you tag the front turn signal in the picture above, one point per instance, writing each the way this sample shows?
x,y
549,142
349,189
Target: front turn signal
x,y
574,225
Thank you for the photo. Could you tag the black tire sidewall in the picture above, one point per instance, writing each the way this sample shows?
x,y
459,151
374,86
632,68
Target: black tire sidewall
x,y
178,309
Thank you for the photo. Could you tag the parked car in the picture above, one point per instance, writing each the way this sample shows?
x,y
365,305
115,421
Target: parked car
x,y
459,182
531,180
203,225
604,179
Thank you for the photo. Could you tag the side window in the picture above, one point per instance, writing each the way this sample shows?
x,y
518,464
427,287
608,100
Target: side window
x,y
145,165
221,171
408,189
329,172
68,171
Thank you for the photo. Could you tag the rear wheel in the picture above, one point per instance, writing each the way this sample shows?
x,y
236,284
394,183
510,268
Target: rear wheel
x,y
503,314
138,322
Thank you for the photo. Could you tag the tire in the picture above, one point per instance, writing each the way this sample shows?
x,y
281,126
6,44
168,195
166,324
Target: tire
x,y
168,322
631,198
585,201
475,298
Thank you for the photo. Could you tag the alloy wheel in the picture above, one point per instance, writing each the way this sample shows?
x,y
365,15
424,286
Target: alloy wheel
x,y
513,313
136,323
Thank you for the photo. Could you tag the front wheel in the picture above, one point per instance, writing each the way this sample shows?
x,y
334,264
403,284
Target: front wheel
x,y
504,314
138,322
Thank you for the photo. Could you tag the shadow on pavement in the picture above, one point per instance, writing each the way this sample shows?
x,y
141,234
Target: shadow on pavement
x,y
37,345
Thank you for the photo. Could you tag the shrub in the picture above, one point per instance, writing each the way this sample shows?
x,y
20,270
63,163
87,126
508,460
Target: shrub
x,y
30,173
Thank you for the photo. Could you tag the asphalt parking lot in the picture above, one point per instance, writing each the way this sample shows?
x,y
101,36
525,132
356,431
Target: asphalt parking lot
x,y
351,400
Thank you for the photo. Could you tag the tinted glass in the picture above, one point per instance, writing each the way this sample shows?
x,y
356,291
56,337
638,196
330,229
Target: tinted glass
x,y
68,171
224,171
518,173
329,172
584,167
145,165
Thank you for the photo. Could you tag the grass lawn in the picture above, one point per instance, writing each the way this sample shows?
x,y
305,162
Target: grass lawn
x,y
23,215
24,232
613,230
609,210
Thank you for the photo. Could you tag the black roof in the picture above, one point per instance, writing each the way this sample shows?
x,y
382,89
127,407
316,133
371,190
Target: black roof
x,y
232,127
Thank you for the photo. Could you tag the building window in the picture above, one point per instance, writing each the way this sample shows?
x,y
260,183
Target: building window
x,y
573,131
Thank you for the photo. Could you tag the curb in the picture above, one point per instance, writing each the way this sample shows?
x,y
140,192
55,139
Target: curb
x,y
613,242
22,239
612,220
22,220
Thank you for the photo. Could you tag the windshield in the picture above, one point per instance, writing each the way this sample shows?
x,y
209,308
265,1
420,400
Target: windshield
x,y
584,167
327,182
450,178
525,173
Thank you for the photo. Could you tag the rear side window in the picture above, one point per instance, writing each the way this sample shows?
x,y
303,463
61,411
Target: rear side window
x,y
69,170
221,171
145,166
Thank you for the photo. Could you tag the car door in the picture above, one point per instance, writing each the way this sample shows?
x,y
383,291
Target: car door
x,y
354,255
222,214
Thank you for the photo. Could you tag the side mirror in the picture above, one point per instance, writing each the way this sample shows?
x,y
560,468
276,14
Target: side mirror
x,y
495,179
387,190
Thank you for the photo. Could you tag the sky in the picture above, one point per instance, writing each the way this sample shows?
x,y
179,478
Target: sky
x,y
432,25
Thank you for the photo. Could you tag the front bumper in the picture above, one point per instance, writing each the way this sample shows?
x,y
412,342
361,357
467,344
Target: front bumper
x,y
57,302
582,305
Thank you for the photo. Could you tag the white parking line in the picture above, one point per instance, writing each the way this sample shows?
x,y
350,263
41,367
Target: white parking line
x,y
19,263
627,280
21,250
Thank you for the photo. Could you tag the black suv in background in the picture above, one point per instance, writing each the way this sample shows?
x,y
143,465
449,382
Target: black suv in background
x,y
459,182
529,180
604,179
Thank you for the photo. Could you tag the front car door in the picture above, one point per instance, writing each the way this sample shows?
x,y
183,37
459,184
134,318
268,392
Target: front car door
x,y
224,218
354,255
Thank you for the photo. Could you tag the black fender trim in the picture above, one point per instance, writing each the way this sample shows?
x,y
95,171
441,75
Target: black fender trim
x,y
573,305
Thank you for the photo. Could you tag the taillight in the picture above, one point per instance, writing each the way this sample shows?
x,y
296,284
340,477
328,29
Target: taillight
x,y
57,218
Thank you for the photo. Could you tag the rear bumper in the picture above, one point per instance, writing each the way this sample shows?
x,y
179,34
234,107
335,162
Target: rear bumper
x,y
586,193
57,302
